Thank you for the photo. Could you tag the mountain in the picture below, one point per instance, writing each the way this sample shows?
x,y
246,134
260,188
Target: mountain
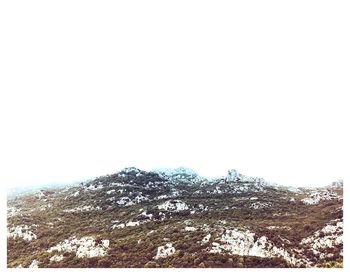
x,y
180,173
176,218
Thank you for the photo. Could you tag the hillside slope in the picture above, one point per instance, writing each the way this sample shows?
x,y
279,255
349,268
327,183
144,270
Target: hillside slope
x,y
176,218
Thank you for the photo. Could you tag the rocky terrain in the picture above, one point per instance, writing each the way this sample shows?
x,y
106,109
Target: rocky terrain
x,y
175,218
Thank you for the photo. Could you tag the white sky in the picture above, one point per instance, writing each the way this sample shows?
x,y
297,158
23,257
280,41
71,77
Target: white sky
x,y
260,87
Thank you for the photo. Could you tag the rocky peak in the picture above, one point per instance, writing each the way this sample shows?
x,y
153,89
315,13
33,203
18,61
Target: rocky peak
x,y
131,171
180,174
337,184
234,176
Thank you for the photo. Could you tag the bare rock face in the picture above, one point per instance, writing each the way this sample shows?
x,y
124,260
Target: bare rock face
x,y
316,196
243,242
180,174
21,231
165,251
34,264
85,247
234,176
56,258
324,239
173,205
337,184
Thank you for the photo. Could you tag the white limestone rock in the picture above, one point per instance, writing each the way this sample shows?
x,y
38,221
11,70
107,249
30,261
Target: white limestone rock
x,y
125,201
12,212
190,228
117,225
276,227
165,251
56,258
140,198
131,223
260,205
117,184
130,170
85,208
234,176
46,207
40,195
241,242
161,197
206,239
337,184
85,247
173,205
144,214
21,231
179,174
34,264
75,194
328,237
316,196
93,187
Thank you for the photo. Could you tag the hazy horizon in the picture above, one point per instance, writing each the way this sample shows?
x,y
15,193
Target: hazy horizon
x,y
84,179
211,96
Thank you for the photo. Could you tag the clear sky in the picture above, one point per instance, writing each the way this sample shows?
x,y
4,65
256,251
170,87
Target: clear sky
x,y
207,87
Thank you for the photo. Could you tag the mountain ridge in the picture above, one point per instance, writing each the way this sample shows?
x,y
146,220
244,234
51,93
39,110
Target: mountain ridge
x,y
179,219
